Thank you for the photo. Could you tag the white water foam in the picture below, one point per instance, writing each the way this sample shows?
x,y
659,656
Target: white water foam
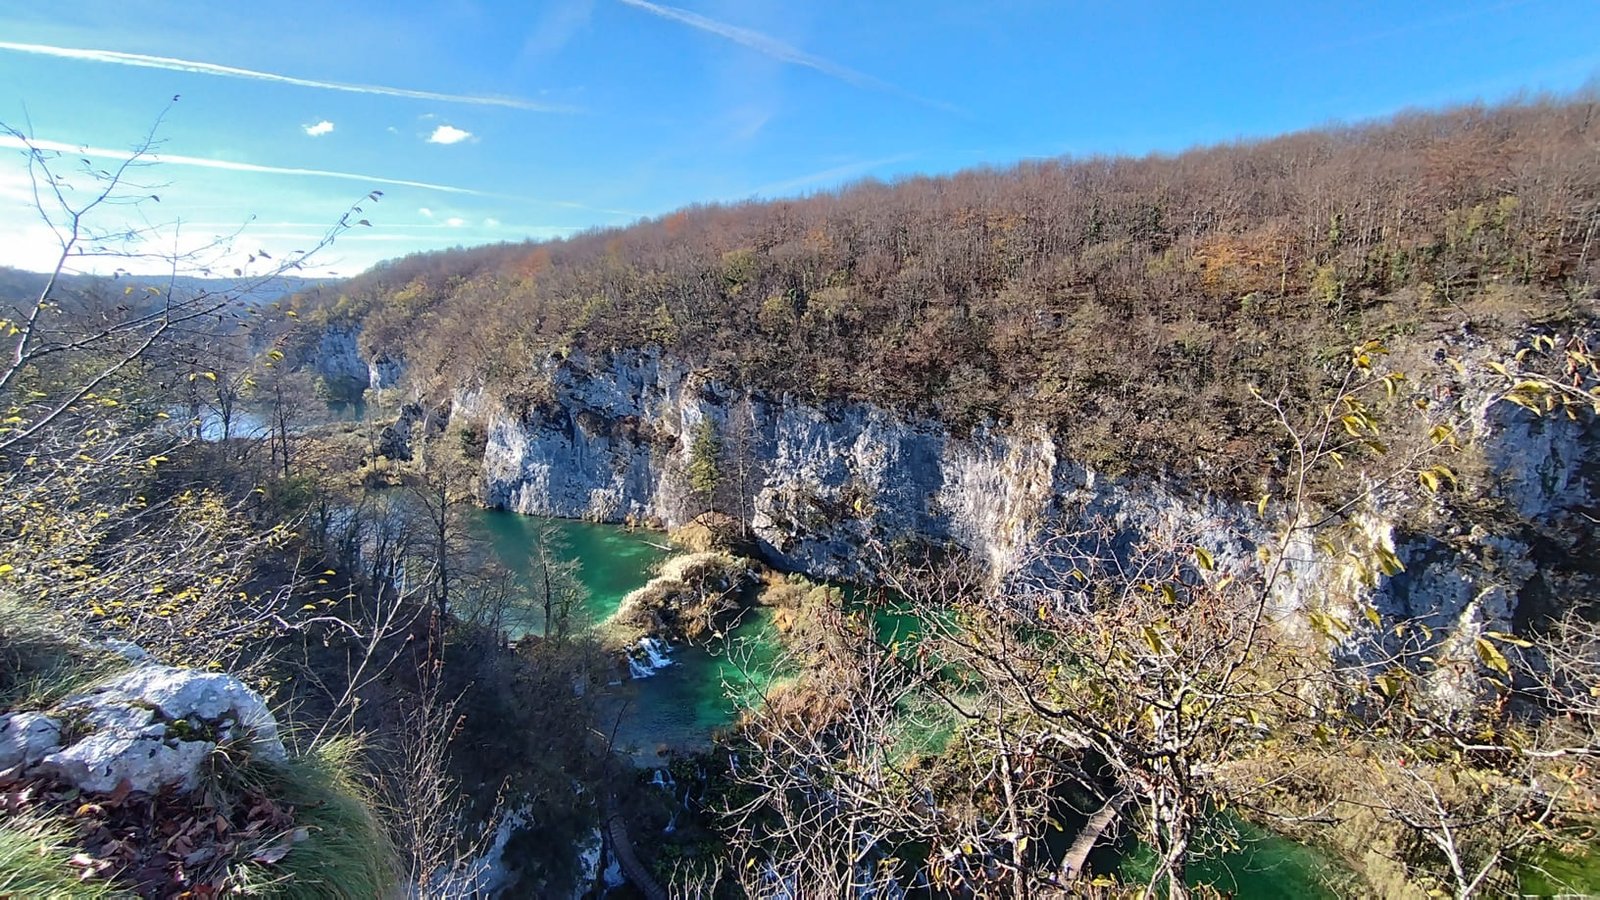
x,y
650,656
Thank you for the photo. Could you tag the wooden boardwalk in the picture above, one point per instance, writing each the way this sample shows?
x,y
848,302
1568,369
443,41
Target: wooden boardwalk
x,y
632,869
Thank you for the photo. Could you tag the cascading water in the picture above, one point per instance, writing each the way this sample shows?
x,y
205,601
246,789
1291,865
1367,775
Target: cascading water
x,y
649,656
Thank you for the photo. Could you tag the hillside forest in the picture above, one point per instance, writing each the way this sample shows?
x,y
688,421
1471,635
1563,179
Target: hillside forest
x,y
1316,340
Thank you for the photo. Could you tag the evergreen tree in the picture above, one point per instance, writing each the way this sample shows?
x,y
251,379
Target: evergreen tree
x,y
704,462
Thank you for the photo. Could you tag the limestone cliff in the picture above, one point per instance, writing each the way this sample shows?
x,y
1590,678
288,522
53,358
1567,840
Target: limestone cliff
x,y
612,441
346,368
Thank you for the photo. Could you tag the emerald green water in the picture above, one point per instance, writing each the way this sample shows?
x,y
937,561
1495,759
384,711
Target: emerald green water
x,y
1263,866
611,559
684,704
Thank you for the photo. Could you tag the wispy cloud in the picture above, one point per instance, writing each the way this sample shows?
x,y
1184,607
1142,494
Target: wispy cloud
x,y
828,176
196,67
319,129
448,134
15,143
771,46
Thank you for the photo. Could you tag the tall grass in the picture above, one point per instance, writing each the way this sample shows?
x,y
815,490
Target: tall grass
x,y
42,658
35,854
341,851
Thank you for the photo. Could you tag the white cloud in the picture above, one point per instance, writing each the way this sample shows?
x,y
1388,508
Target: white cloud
x,y
491,222
204,68
12,142
426,212
319,129
455,221
448,134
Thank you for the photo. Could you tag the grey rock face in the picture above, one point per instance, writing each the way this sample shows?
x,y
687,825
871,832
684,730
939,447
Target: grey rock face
x,y
820,483
384,371
338,360
152,727
613,441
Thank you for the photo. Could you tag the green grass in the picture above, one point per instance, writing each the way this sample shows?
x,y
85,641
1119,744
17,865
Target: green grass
x,y
34,856
345,852
40,662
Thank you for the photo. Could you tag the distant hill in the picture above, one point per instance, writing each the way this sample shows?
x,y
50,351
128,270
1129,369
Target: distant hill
x,y
18,284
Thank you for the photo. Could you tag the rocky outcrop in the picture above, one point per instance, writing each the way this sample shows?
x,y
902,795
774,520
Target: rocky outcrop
x,y
346,370
816,484
694,596
144,730
338,361
397,439
820,485
384,371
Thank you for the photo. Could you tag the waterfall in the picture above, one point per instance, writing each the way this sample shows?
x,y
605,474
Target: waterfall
x,y
648,657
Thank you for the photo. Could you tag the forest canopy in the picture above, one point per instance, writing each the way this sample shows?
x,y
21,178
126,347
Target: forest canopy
x,y
1127,303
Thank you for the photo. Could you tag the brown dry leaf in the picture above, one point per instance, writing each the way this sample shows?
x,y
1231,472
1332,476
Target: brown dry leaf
x,y
275,851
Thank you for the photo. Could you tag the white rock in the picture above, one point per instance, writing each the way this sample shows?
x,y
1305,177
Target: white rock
x,y
126,649
214,697
26,738
101,761
155,726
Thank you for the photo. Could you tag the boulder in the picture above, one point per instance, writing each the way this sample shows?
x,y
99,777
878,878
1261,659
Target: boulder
x,y
103,760
26,738
152,727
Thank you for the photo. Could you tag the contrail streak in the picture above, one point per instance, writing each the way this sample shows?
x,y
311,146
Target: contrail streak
x,y
173,64
777,49
16,143
849,170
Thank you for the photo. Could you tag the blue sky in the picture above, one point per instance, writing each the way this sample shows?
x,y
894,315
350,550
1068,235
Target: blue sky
x,y
523,119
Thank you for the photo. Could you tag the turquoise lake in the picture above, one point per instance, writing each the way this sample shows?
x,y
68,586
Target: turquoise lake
x,y
681,706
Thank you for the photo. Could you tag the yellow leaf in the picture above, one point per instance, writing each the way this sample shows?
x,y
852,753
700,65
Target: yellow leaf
x,y
1204,559
1492,657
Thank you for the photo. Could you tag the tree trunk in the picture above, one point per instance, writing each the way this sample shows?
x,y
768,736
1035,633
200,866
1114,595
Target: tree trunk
x,y
1078,854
